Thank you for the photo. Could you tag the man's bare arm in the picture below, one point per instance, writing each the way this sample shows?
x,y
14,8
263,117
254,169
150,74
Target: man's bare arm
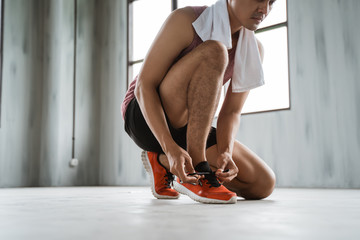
x,y
175,35
227,127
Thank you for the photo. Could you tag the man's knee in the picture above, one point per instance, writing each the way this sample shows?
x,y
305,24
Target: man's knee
x,y
215,54
261,188
266,186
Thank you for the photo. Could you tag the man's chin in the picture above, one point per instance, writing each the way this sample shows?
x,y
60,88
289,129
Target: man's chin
x,y
252,27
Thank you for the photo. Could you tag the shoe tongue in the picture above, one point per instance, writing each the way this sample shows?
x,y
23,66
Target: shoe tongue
x,y
203,167
211,178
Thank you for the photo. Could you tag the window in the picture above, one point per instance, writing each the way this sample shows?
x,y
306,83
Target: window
x,y
272,33
143,27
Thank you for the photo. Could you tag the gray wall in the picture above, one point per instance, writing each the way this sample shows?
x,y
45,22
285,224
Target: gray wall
x,y
315,144
38,95
106,155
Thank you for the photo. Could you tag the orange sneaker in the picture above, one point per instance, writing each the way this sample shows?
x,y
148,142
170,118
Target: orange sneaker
x,y
209,190
161,179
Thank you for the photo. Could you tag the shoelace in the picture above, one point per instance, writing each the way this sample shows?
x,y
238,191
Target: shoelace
x,y
212,180
210,177
169,178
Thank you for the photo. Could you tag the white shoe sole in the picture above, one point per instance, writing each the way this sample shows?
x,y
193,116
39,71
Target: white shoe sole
x,y
147,166
183,190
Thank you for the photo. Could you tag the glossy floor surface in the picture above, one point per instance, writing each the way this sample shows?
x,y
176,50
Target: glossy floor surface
x,y
132,213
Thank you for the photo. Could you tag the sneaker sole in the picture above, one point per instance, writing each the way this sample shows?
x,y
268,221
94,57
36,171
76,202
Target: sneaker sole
x,y
147,166
183,190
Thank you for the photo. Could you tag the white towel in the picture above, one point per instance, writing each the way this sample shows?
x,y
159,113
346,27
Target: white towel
x,y
214,24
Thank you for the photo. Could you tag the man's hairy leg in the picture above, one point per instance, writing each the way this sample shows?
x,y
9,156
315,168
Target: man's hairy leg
x,y
190,94
203,97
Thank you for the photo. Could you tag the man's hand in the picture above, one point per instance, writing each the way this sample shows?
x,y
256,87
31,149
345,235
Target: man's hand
x,y
181,165
225,162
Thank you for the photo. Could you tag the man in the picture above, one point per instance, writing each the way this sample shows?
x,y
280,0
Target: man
x,y
169,108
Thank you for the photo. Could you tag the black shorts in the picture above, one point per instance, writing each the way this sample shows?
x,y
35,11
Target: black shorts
x,y
139,131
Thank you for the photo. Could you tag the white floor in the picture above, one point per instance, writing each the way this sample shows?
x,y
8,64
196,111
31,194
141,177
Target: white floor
x,y
132,213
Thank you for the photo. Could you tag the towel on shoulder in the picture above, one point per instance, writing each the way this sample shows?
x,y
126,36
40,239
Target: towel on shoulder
x,y
214,24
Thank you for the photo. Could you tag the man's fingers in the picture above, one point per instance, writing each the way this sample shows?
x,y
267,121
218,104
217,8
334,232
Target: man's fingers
x,y
191,179
229,174
183,170
186,179
188,166
222,166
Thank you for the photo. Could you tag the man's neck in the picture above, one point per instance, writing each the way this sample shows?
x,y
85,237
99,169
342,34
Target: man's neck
x,y
234,24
